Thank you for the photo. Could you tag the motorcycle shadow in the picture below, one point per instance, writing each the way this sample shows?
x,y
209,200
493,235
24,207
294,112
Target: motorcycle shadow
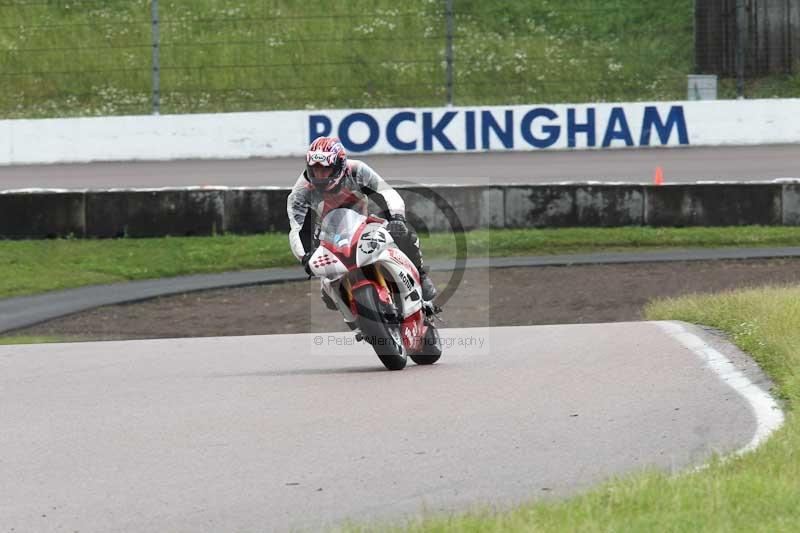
x,y
310,372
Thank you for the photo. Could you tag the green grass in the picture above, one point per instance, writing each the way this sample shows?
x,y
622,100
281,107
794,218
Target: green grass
x,y
772,86
6,341
28,267
758,491
93,57
42,265
506,242
90,57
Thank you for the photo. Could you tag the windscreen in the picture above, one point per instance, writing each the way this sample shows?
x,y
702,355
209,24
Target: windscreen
x,y
339,225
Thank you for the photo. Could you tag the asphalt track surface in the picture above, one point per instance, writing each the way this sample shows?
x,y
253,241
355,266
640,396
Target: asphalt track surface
x,y
680,165
282,432
303,431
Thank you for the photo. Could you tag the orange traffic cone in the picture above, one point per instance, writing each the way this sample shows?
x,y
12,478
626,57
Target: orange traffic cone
x,y
659,177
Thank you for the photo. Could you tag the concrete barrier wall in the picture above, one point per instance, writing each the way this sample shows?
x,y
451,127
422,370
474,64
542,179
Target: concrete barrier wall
x,y
402,130
715,205
210,211
574,205
42,215
154,213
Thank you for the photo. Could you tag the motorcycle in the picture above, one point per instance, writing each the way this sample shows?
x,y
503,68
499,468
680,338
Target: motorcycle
x,y
376,287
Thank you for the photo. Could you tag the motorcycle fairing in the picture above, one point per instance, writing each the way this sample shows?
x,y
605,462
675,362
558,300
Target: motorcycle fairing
x,y
326,264
413,331
348,232
376,246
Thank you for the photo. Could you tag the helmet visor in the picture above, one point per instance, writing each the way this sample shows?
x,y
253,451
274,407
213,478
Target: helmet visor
x,y
320,173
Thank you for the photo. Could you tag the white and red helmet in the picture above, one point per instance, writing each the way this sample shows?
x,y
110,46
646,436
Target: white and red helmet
x,y
326,163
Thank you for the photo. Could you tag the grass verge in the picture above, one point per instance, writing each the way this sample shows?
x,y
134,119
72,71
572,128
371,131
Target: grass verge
x,y
90,57
30,267
755,492
5,341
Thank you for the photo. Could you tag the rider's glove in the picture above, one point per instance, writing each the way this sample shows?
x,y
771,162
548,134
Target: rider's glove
x,y
397,228
305,261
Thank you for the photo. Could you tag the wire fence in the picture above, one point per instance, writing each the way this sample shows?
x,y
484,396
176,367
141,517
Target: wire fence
x,y
109,57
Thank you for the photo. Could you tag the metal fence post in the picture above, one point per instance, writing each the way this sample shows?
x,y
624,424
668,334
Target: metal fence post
x,y
448,52
741,36
156,62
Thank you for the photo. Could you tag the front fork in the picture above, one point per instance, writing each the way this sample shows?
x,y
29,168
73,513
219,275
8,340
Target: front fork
x,y
341,290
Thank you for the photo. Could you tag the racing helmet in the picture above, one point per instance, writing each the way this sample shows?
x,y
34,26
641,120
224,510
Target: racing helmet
x,y
326,163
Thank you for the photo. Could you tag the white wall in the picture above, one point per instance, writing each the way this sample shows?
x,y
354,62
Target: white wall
x,y
460,129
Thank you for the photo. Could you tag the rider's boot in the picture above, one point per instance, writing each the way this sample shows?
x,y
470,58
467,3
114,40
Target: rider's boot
x,y
428,288
410,247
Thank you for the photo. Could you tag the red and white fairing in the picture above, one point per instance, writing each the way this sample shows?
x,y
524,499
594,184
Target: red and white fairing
x,y
350,241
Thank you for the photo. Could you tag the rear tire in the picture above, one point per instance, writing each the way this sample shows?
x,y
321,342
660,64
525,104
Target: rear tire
x,y
431,347
385,338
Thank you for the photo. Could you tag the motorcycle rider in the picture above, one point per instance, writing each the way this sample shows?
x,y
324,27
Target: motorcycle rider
x,y
331,180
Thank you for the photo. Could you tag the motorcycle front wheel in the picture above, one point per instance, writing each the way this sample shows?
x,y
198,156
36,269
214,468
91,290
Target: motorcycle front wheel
x,y
431,347
385,338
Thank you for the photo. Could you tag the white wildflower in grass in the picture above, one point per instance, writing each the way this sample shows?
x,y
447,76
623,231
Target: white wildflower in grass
x,y
401,68
388,12
366,29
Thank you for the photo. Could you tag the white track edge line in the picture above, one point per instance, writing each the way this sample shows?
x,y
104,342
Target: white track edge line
x,y
769,416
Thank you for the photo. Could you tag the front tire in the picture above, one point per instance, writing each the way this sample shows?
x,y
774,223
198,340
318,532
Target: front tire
x,y
385,338
431,347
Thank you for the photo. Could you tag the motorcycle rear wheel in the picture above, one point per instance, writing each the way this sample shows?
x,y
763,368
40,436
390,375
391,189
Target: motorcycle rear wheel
x,y
385,338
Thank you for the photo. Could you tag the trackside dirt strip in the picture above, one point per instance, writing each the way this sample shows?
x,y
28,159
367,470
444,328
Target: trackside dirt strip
x,y
24,311
300,431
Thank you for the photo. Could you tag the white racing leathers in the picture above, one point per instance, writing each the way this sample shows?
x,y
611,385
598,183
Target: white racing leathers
x,y
359,183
